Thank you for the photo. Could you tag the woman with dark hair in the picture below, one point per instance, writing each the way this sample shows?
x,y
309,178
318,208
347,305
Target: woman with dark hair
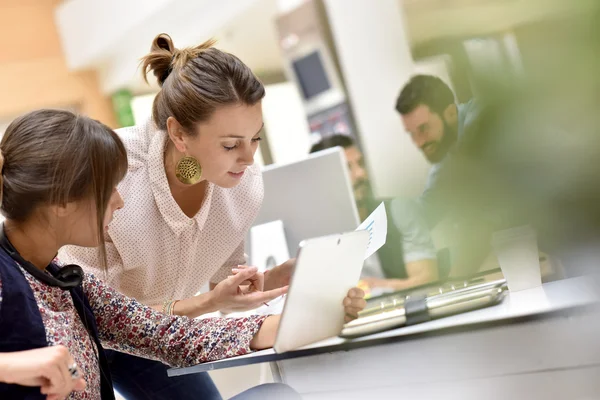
x,y
59,178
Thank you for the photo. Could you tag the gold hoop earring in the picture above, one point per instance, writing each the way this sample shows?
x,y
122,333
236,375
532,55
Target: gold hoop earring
x,y
188,170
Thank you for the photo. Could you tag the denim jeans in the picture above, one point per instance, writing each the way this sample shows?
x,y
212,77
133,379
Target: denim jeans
x,y
138,378
269,391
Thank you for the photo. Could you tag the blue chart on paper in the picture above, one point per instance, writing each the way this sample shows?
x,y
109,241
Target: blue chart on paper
x,y
369,228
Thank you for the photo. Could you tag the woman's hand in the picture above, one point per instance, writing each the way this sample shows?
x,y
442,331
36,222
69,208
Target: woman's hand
x,y
280,275
46,367
353,303
242,291
265,337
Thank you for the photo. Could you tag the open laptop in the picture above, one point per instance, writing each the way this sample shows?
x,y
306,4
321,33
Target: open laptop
x,y
326,268
312,198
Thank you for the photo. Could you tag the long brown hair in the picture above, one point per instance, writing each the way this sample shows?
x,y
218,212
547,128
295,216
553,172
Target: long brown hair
x,y
53,157
197,80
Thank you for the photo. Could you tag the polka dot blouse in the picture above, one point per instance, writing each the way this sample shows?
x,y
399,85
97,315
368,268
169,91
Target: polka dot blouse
x,y
155,252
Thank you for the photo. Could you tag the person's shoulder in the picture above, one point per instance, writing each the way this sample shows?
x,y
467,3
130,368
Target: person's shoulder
x,y
404,205
137,141
472,104
470,110
469,117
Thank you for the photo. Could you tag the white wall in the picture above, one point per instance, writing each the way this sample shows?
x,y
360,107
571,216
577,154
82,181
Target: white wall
x,y
285,122
435,66
285,6
376,62
141,106
112,35
3,126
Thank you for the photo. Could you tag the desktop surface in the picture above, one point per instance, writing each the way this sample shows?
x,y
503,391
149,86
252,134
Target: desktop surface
x,y
563,298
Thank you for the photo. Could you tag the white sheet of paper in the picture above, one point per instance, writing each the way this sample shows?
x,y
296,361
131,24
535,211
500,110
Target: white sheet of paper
x,y
376,224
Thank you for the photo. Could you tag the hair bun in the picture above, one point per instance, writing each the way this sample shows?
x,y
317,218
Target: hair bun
x,y
160,58
163,42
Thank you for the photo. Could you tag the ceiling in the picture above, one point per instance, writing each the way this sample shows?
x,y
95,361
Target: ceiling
x,y
251,35
429,20
253,38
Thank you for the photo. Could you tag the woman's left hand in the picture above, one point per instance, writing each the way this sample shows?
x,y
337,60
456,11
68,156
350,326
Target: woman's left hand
x,y
280,275
265,337
353,303
242,291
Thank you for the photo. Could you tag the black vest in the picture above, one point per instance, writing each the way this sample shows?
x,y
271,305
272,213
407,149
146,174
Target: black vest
x,y
21,326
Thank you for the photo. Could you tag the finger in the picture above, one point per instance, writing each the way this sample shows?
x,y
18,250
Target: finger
x,y
56,379
258,284
239,268
355,302
245,289
235,272
241,276
45,387
52,370
253,284
253,280
55,397
356,292
80,385
245,283
348,318
68,380
352,311
263,297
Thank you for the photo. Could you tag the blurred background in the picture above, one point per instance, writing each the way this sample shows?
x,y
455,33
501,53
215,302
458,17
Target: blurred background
x,y
85,56
337,67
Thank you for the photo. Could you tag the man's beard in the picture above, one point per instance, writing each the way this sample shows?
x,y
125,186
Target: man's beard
x,y
443,145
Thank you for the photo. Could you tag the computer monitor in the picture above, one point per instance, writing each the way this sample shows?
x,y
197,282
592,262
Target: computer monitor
x,y
312,197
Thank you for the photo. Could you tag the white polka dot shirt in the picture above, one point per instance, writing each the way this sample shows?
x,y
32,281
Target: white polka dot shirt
x,y
156,252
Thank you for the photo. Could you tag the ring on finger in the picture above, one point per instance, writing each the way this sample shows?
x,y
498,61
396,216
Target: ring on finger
x,y
74,371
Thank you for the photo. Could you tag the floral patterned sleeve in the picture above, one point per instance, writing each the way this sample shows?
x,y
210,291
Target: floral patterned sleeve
x,y
131,327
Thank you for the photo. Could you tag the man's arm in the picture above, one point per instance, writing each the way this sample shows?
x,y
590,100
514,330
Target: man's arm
x,y
433,204
420,254
419,273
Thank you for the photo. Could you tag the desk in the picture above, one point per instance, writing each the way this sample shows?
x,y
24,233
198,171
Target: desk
x,y
538,343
